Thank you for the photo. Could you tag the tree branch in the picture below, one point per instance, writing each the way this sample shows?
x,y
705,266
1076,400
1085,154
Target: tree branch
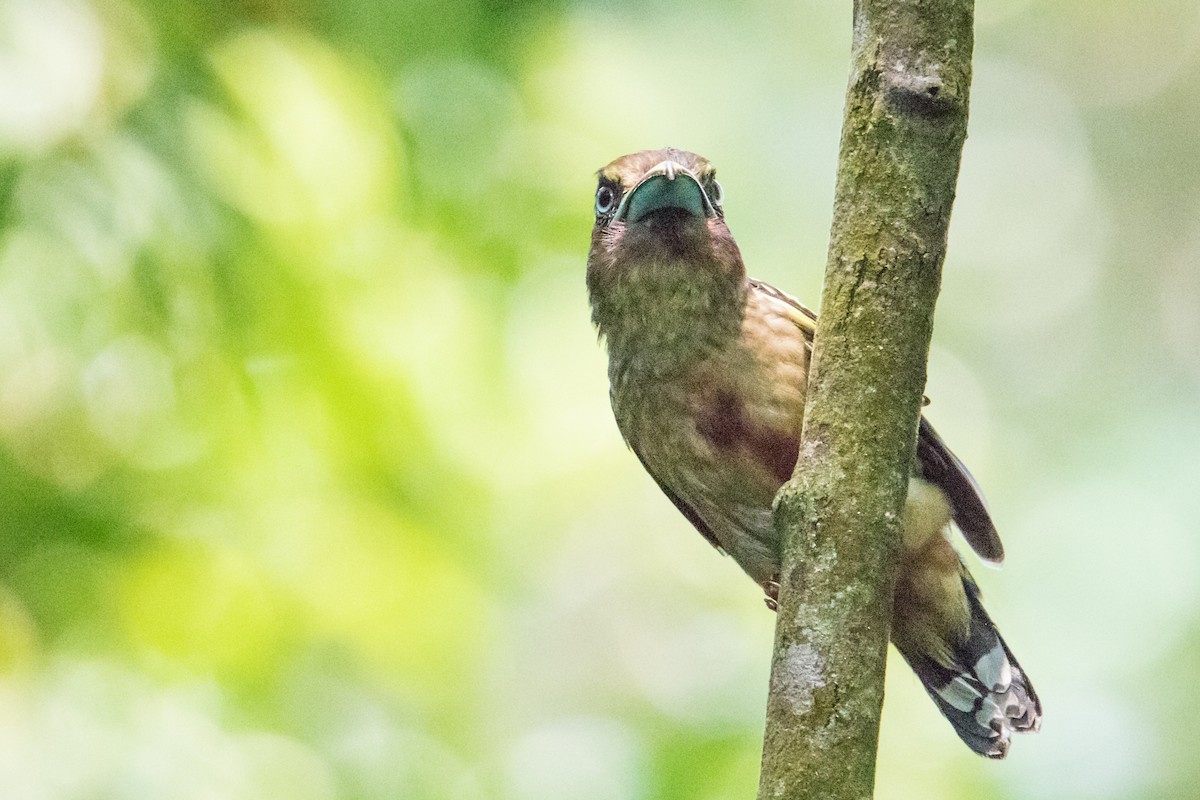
x,y
902,137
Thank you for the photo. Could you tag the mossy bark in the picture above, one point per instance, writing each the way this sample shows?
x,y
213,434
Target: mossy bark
x,y
905,122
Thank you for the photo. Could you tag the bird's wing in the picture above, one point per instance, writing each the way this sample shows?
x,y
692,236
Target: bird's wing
x,y
688,512
942,468
935,462
805,318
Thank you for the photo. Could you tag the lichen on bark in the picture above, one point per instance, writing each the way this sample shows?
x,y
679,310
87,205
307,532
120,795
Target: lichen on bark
x,y
904,126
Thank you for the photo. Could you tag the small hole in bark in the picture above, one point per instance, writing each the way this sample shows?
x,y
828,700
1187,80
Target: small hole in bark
x,y
933,91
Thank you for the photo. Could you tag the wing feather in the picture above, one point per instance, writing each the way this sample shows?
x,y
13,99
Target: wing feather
x,y
942,468
805,318
936,463
688,512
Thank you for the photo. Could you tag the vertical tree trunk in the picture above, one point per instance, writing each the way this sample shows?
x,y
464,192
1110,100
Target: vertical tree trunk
x,y
905,122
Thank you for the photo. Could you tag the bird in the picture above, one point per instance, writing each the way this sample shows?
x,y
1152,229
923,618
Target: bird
x,y
707,376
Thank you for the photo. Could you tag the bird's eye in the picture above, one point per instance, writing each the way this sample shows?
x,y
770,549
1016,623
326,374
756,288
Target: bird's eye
x,y
606,200
716,195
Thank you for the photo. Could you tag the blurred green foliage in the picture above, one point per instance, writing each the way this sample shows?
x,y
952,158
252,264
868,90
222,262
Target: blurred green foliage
x,y
308,485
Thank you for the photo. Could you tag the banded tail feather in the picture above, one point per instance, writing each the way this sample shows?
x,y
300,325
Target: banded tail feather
x,y
982,690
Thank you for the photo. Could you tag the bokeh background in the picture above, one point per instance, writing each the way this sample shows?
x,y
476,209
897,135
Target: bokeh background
x,y
308,484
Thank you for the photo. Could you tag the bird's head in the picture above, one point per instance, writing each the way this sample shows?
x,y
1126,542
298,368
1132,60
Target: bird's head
x,y
657,188
660,235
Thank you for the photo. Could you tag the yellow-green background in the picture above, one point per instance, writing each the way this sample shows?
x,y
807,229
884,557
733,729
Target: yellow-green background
x,y
308,484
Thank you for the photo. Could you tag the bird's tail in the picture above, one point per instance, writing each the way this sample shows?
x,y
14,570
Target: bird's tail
x,y
978,684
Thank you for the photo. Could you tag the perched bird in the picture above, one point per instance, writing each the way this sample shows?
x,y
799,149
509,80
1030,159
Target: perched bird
x,y
708,369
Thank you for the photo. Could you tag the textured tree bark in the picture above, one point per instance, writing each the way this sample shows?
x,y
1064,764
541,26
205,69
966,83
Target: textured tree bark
x,y
903,131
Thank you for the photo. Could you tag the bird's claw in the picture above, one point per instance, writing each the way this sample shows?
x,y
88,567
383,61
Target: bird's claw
x,y
771,589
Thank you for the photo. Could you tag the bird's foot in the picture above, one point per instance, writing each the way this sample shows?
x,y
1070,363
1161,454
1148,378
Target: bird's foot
x,y
770,588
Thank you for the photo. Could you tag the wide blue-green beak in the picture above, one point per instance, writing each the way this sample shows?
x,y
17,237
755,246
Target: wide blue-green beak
x,y
667,185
